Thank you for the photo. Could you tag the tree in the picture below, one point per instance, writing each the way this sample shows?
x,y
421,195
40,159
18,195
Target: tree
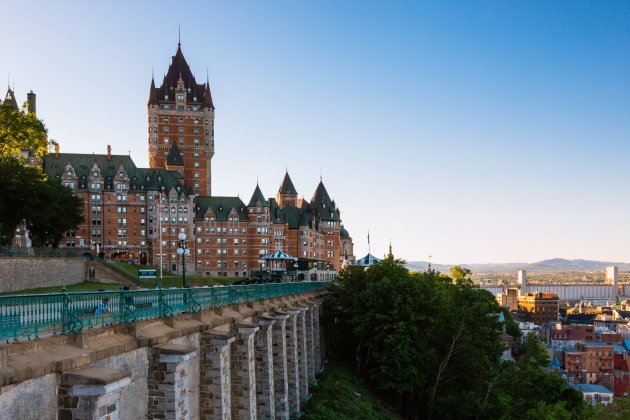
x,y
460,274
21,130
19,192
60,211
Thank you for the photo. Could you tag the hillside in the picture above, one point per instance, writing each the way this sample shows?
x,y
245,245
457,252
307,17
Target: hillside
x,y
550,265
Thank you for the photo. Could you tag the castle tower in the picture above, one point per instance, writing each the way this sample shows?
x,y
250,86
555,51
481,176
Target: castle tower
x,y
181,112
287,194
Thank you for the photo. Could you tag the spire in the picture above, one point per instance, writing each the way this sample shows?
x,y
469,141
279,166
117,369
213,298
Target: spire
x,y
152,92
287,185
390,255
10,99
175,157
179,36
258,196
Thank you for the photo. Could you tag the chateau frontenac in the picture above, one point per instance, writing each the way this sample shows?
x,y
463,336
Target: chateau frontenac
x,y
138,213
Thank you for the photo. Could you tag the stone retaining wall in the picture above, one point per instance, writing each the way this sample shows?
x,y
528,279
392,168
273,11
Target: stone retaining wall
x,y
20,273
192,366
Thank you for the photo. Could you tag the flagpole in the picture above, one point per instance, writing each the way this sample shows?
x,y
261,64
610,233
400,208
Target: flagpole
x,y
369,248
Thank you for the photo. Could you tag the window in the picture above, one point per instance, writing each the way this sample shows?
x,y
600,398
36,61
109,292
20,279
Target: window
x,y
165,120
196,164
196,131
165,130
196,154
181,142
165,140
196,175
166,97
196,142
180,97
181,130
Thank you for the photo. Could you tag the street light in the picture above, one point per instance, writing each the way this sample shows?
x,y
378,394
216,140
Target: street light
x,y
262,253
183,251
295,266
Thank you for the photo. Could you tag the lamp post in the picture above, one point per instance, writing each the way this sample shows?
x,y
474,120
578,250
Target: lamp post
x,y
295,266
183,251
262,253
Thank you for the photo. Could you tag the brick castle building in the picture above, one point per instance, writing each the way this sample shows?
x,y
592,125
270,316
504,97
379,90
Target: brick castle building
x,y
130,211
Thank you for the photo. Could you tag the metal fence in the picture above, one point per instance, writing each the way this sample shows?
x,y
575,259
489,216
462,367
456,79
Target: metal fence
x,y
33,316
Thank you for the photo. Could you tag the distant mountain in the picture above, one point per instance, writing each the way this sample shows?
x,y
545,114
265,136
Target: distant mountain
x,y
554,264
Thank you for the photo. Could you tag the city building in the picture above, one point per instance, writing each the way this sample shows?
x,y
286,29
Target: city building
x,y
538,308
134,213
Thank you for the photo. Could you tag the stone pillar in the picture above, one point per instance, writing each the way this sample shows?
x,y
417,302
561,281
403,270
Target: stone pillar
x,y
302,353
91,393
244,373
310,344
280,366
263,344
317,337
215,378
293,361
168,382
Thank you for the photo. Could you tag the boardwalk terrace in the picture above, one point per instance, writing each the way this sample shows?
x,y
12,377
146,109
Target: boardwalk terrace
x,y
226,352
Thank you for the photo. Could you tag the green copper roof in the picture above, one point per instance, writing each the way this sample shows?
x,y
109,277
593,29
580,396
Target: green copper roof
x,y
174,156
221,206
323,205
256,197
139,178
287,185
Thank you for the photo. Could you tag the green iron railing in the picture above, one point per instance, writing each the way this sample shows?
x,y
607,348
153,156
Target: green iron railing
x,y
69,313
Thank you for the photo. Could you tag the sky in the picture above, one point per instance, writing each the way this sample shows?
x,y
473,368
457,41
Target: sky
x,y
493,131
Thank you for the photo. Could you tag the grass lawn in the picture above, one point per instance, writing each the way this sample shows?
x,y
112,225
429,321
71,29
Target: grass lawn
x,y
170,280
341,394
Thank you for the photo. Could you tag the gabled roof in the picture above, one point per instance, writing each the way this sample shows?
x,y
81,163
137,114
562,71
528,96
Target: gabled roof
x,y
258,196
287,185
9,98
175,157
139,178
221,207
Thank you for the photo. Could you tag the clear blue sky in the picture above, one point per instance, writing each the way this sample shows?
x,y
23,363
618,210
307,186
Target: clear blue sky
x,y
472,131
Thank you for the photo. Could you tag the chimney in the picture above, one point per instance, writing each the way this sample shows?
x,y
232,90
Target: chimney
x,y
30,99
109,152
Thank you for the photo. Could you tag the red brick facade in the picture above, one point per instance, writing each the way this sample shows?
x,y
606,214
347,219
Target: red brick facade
x,y
129,211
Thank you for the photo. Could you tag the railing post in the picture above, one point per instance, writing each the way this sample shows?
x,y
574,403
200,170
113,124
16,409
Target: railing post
x,y
64,309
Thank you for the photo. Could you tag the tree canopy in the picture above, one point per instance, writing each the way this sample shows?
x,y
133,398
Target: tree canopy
x,y
434,347
20,130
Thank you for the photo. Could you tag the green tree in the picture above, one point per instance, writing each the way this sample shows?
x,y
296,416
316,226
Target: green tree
x,y
533,351
60,210
460,274
19,189
21,130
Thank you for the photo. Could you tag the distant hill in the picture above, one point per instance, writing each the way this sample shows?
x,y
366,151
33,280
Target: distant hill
x,y
554,264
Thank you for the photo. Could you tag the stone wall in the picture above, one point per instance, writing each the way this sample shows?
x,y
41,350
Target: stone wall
x,y
20,273
240,362
35,398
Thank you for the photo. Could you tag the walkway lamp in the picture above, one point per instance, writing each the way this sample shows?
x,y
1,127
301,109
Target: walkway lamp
x,y
184,252
261,261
